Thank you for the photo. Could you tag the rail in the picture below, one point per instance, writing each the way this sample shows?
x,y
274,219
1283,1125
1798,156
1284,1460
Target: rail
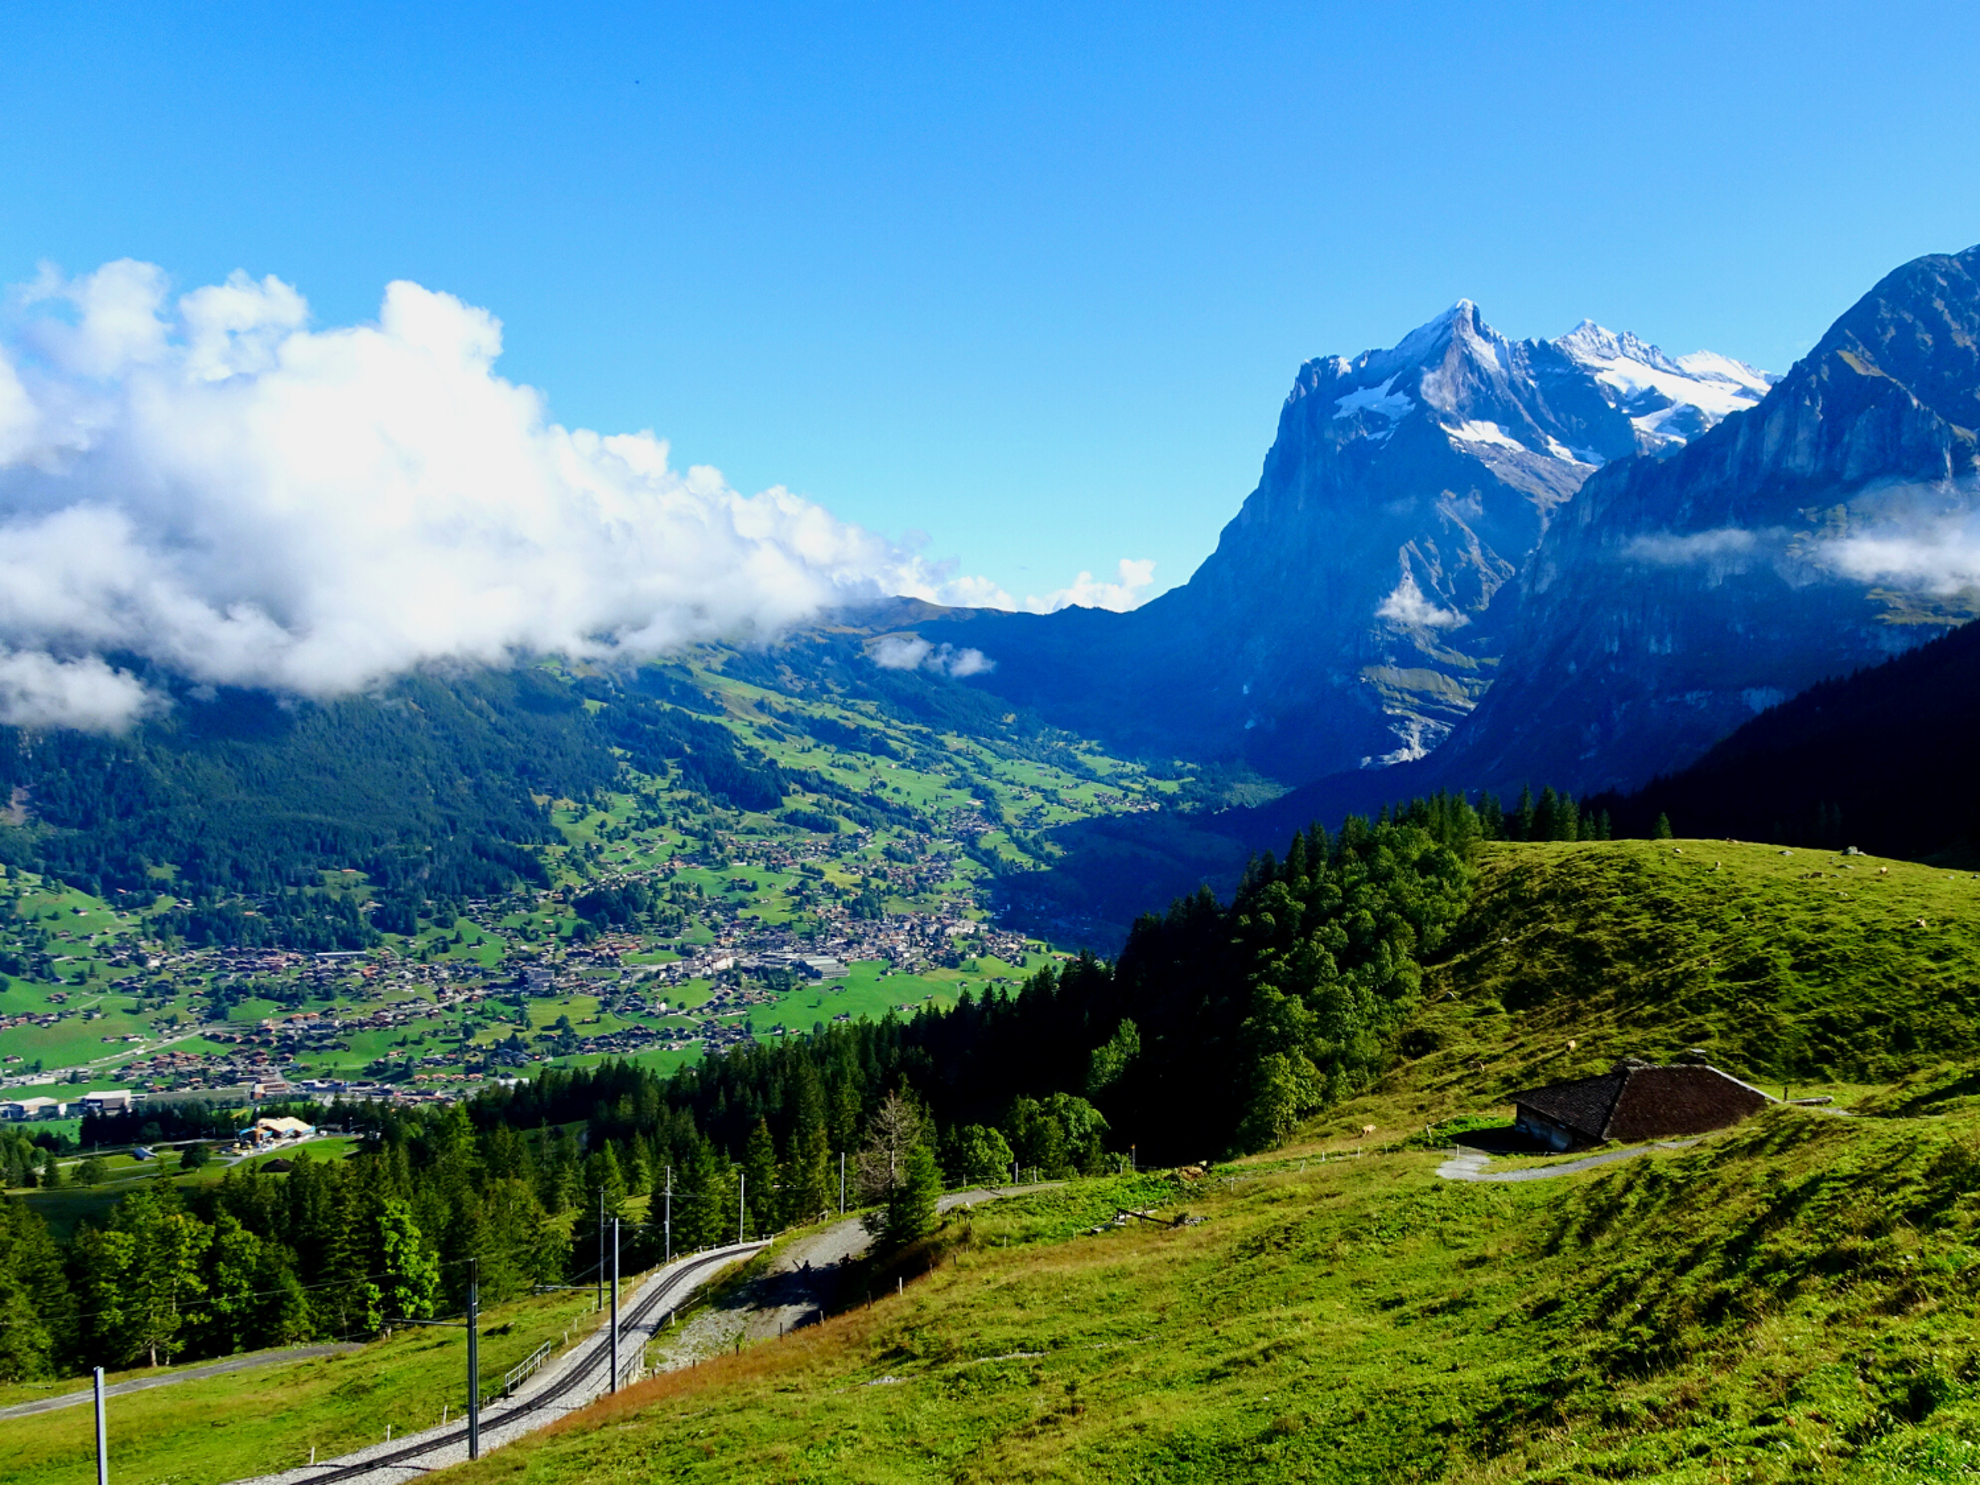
x,y
523,1370
665,1296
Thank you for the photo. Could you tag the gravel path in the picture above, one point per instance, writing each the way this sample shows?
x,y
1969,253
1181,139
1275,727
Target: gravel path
x,y
1470,1165
183,1374
797,1289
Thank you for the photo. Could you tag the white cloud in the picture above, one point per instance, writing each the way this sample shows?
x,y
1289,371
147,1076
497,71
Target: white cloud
x,y
1128,591
912,652
37,690
1893,542
978,592
222,490
115,324
1407,606
1938,557
1728,545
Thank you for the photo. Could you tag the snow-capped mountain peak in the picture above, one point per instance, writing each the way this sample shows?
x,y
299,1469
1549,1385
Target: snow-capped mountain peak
x,y
1669,399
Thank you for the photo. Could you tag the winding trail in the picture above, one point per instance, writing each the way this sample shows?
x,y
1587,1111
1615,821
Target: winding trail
x,y
1470,1165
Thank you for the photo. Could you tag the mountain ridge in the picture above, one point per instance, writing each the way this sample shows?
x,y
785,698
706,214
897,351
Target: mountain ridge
x,y
1678,597
1355,606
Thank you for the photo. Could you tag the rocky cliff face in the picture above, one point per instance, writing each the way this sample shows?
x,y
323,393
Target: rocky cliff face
x,y
1824,530
1357,607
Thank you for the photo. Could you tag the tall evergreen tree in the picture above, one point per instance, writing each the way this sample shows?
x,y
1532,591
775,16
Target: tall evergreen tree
x,y
911,1206
1524,816
759,1171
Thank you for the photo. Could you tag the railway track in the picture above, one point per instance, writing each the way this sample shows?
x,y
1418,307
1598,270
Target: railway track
x,y
668,1294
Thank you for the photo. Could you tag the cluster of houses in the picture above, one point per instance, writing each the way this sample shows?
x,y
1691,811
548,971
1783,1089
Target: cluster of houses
x,y
111,1101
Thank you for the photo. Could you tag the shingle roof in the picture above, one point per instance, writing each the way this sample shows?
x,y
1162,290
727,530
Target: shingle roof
x,y
1582,1105
1639,1100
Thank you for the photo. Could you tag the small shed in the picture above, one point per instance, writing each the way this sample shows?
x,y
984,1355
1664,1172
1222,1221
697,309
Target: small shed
x,y
1635,1100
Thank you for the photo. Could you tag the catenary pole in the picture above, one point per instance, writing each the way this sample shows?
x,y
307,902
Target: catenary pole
x,y
615,1306
102,1435
667,1226
601,1245
842,1183
742,1190
474,1359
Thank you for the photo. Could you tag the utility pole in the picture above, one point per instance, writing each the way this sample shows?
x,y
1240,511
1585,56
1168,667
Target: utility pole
x,y
842,1183
667,1226
474,1359
742,1190
615,1306
102,1435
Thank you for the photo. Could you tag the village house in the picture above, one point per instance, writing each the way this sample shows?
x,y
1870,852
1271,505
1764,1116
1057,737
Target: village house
x,y
33,1108
265,1131
1635,1100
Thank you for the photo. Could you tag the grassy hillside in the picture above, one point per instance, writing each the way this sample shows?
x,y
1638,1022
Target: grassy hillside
x,y
1804,967
1791,1300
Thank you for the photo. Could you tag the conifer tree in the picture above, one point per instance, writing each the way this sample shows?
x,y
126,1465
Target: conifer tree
x,y
1546,816
911,1207
759,1169
808,1181
409,1274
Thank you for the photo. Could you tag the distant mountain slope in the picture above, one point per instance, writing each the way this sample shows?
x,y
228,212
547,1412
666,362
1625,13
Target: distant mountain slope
x,y
1356,608
1817,533
1883,759
439,789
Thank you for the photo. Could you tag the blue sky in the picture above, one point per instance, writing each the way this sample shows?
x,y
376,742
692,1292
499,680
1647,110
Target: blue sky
x,y
1031,280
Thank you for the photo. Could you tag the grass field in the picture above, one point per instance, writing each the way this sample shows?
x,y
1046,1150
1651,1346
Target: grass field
x,y
1793,1300
229,1427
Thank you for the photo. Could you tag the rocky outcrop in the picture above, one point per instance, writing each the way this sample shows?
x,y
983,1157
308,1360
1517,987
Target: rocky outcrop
x,y
1820,532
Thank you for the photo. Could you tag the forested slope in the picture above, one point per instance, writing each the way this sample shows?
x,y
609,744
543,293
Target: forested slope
x,y
1882,759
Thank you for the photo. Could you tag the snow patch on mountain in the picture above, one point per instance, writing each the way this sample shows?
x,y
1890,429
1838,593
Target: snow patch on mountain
x,y
1480,431
1378,399
1669,399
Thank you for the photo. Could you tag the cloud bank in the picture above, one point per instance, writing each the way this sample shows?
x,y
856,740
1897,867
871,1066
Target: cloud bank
x,y
912,652
1940,557
215,486
1128,590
